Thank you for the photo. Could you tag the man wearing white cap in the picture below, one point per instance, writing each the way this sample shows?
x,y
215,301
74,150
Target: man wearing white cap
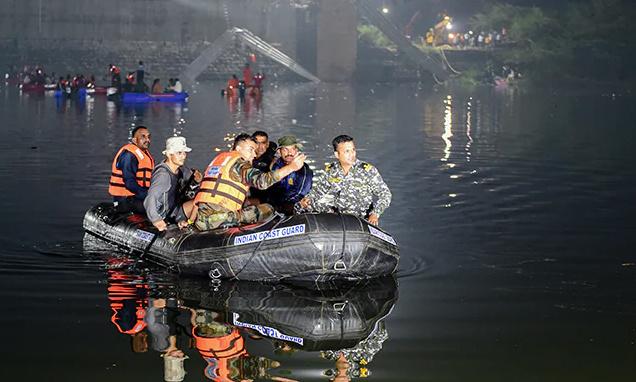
x,y
168,178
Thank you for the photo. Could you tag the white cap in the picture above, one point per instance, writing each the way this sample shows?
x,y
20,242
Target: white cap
x,y
176,144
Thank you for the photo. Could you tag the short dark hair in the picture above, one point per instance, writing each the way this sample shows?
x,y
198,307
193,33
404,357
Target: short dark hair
x,y
242,138
260,133
340,139
137,129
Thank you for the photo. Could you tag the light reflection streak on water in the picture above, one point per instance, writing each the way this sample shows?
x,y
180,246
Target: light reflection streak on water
x,y
468,128
448,122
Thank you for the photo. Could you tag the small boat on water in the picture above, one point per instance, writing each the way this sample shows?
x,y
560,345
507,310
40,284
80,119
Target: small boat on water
x,y
307,247
147,97
37,87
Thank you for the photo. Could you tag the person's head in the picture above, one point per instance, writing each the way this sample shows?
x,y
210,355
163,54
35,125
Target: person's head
x,y
288,147
176,80
176,150
262,142
141,62
141,137
156,81
344,150
234,76
246,146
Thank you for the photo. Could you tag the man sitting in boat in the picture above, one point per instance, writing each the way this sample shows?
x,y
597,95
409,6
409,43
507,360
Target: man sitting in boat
x,y
265,153
168,178
348,186
131,172
225,186
292,188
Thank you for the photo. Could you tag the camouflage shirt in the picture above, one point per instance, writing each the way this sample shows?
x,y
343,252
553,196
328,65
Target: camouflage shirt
x,y
243,171
360,192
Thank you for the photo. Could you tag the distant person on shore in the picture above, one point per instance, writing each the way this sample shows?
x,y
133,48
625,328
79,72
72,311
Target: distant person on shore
x,y
115,76
140,85
131,172
232,86
247,75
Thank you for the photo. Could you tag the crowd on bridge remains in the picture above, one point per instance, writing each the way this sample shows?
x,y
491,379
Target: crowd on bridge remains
x,y
244,185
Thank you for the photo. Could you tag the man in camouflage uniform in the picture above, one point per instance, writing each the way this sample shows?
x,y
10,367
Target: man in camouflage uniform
x,y
225,186
348,186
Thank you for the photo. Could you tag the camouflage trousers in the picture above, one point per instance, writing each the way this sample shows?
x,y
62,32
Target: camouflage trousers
x,y
210,218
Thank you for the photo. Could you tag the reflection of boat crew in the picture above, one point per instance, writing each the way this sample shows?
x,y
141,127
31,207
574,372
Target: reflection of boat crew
x,y
127,296
220,346
355,359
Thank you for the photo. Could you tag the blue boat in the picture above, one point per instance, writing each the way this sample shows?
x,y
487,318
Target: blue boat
x,y
146,97
80,93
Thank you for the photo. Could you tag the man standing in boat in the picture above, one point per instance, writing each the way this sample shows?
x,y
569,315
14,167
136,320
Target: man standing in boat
x,y
131,172
348,186
226,182
168,178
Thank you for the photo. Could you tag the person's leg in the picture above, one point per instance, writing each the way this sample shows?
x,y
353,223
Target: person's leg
x,y
254,214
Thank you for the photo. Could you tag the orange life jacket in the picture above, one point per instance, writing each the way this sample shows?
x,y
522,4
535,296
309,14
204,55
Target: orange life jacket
x,y
123,289
144,171
218,352
217,187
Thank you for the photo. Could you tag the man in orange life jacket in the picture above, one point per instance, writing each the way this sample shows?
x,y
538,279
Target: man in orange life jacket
x,y
131,172
225,186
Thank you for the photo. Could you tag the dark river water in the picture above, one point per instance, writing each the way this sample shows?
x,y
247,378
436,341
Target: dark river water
x,y
514,212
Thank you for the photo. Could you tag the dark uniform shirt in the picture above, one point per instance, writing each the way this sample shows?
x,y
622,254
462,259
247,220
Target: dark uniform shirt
x,y
292,188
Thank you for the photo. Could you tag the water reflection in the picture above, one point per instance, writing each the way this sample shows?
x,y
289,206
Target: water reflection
x,y
227,324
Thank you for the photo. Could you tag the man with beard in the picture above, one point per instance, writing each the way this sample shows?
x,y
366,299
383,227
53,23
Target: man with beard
x,y
292,188
168,178
131,172
226,183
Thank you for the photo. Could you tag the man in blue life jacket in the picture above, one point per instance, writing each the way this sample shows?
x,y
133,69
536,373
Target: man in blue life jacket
x,y
292,188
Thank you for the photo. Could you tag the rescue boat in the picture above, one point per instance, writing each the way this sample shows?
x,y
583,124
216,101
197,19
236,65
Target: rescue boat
x,y
148,97
307,247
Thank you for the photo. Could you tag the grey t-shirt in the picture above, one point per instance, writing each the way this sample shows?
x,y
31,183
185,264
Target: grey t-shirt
x,y
162,196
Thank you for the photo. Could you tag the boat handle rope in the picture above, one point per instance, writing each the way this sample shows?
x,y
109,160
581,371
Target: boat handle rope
x,y
340,266
282,219
336,266
339,306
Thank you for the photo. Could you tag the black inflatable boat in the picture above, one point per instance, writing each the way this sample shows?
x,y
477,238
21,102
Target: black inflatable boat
x,y
313,320
306,247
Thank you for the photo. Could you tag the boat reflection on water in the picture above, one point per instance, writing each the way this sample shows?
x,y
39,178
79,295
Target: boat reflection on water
x,y
226,323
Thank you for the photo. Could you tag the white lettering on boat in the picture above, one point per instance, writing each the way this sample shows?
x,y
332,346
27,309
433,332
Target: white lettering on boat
x,y
384,236
270,235
143,235
266,331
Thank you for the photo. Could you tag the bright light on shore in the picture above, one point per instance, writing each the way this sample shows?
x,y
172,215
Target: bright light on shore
x,y
449,26
385,10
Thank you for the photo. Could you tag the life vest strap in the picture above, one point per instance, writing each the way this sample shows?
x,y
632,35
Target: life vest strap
x,y
215,192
